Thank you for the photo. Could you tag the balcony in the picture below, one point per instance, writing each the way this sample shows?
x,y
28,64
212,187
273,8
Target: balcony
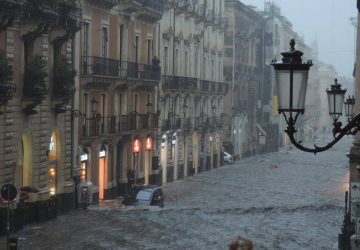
x,y
70,16
9,9
205,85
104,4
46,11
201,13
166,125
7,92
117,124
106,67
213,87
63,80
187,123
7,87
35,79
99,125
143,71
170,82
151,11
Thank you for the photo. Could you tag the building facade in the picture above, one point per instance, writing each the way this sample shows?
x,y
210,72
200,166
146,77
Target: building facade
x,y
120,73
192,87
244,70
37,83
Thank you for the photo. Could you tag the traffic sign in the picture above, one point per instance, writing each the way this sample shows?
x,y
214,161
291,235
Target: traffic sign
x,y
8,192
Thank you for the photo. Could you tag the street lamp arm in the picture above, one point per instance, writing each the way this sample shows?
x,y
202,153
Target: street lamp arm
x,y
350,129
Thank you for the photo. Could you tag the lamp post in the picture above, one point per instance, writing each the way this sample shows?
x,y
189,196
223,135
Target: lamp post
x,y
349,107
291,80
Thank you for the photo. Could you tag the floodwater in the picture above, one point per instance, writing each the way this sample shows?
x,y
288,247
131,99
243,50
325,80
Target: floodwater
x,y
284,200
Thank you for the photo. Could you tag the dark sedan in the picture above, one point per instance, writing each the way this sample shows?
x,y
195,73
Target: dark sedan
x,y
148,195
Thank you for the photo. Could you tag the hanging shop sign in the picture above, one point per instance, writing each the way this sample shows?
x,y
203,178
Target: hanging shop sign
x,y
136,146
148,144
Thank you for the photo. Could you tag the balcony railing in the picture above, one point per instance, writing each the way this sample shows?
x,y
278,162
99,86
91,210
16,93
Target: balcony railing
x,y
117,124
179,82
106,67
143,71
205,85
165,125
156,5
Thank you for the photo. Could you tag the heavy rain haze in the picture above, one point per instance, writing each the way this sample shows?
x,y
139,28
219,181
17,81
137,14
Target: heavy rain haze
x,y
328,21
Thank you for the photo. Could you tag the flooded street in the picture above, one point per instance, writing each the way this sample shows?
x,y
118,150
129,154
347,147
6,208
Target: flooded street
x,y
285,200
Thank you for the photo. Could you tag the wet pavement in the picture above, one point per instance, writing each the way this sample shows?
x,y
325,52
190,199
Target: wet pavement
x,y
284,200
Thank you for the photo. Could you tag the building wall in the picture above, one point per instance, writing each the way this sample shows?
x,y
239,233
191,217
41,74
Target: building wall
x,y
124,87
191,50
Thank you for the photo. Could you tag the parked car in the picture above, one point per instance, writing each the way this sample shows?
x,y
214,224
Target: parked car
x,y
228,159
145,195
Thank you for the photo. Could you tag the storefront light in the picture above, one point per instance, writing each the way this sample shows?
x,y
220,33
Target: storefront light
x,y
84,157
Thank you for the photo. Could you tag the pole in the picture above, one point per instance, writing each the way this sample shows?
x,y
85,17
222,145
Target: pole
x,y
8,218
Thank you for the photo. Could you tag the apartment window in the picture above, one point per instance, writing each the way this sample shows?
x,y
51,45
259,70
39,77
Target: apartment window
x,y
166,60
212,69
136,100
176,65
220,71
120,103
149,51
137,48
102,104
204,69
196,62
186,63
121,40
148,103
86,40
84,104
104,42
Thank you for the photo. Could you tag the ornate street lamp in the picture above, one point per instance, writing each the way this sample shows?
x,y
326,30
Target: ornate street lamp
x,y
291,76
349,107
335,100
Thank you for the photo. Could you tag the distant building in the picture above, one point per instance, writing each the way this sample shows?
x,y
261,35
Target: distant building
x,y
192,88
244,70
120,74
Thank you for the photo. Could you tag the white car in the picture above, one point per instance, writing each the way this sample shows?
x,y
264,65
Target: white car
x,y
228,159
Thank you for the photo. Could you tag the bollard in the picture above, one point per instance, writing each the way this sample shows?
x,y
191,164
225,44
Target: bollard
x,y
12,243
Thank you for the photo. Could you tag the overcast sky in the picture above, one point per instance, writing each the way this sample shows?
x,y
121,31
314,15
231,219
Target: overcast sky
x,y
326,20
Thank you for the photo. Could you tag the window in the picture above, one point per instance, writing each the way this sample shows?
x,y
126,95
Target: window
x,y
149,50
144,195
137,48
86,40
148,102
84,104
166,61
136,99
212,69
176,65
186,63
196,62
104,42
121,40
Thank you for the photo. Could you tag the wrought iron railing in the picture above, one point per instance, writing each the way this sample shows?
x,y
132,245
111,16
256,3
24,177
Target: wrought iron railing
x,y
179,82
101,66
156,5
117,124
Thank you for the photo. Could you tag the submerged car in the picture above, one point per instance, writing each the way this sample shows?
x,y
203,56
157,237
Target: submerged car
x,y
228,159
147,195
